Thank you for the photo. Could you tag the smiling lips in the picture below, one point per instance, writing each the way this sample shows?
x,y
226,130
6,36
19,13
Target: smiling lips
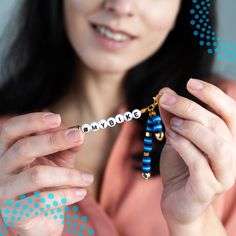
x,y
115,35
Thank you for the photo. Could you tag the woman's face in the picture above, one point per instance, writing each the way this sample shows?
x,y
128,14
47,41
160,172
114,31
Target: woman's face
x,y
112,36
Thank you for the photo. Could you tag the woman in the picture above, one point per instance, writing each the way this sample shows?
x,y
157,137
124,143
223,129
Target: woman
x,y
66,59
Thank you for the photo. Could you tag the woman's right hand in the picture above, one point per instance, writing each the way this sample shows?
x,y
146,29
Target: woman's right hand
x,y
37,155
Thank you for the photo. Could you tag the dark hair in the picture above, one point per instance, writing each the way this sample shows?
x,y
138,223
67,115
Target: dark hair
x,y
39,66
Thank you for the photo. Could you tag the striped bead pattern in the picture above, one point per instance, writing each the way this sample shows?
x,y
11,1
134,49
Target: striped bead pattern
x,y
153,125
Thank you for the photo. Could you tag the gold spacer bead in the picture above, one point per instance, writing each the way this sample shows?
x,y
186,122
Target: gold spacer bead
x,y
146,154
148,134
146,175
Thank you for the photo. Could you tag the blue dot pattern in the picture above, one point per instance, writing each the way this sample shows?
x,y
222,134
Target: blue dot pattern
x,y
206,36
32,209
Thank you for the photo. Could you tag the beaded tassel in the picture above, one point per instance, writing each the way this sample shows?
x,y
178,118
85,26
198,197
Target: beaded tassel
x,y
153,126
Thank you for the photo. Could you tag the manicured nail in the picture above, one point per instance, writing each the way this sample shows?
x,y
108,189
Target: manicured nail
x,y
177,122
88,178
73,135
80,192
167,99
195,84
170,133
52,119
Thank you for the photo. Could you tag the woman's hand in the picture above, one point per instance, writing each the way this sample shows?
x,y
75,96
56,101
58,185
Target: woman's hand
x,y
199,159
37,155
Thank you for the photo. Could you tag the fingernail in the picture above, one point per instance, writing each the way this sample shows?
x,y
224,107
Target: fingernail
x,y
73,135
176,122
80,192
195,84
88,178
170,133
52,119
167,99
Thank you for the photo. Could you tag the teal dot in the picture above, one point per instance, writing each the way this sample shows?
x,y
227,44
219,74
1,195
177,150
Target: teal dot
x,y
52,211
74,231
43,200
21,213
90,231
25,207
82,227
6,231
7,211
69,230
55,203
9,202
63,222
1,234
13,218
14,211
48,206
58,210
66,208
41,209
76,224
30,200
27,215
69,223
61,216
37,194
5,218
67,216
84,218
50,196
19,218
36,213
22,196
75,208
36,205
45,213
11,224
17,204
80,234
76,217
0,227
55,217
230,59
63,201
31,210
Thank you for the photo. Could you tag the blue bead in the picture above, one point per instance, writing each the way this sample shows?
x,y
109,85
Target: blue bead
x,y
147,149
146,160
149,129
156,119
149,121
157,128
146,168
148,140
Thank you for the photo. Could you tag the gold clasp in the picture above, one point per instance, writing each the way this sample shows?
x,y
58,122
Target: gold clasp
x,y
151,107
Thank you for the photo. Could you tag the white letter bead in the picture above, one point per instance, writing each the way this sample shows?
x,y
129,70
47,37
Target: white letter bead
x,y
119,118
102,124
136,114
128,116
111,122
94,126
85,128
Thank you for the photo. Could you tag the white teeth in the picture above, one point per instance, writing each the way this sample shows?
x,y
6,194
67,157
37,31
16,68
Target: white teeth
x,y
114,36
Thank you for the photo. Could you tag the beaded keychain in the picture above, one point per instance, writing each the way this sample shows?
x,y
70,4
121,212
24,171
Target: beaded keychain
x,y
153,126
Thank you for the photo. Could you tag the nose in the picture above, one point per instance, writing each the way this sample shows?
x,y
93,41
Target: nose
x,y
120,7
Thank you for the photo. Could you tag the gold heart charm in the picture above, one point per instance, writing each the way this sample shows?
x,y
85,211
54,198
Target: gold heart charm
x,y
159,136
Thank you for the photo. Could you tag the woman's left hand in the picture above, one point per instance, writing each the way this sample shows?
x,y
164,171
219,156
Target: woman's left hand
x,y
198,161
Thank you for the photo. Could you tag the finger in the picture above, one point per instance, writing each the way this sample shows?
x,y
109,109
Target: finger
x,y
165,115
221,103
41,204
40,177
25,150
202,179
218,150
23,125
189,110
